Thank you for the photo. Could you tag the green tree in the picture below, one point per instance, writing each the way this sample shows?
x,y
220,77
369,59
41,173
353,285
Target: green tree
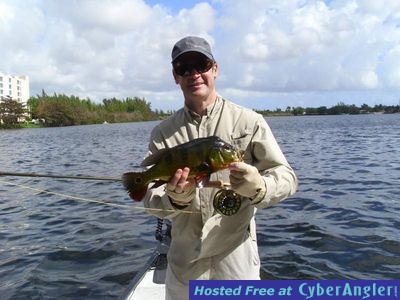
x,y
322,110
55,113
11,111
298,111
365,108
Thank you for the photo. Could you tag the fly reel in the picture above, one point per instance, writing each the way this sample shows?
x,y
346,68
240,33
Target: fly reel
x,y
227,202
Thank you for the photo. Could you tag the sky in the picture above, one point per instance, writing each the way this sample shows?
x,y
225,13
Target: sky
x,y
270,53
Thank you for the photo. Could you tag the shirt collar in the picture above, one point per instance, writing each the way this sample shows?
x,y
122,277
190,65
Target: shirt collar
x,y
211,110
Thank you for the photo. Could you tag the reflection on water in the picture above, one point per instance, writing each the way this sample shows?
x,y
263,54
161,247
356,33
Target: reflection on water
x,y
342,224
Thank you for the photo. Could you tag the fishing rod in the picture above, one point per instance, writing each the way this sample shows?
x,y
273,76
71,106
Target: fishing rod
x,y
208,184
226,201
59,176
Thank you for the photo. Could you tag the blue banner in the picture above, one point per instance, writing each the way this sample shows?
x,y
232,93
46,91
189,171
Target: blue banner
x,y
294,289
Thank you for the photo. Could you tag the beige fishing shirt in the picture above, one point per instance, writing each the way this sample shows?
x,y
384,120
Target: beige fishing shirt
x,y
205,244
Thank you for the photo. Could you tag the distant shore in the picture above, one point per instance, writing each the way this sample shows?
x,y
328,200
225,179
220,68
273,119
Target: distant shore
x,y
61,110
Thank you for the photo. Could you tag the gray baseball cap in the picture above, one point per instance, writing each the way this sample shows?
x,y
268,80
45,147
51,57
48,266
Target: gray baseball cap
x,y
191,44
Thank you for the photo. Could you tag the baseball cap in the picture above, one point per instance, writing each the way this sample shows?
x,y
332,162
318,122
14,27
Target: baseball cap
x,y
191,44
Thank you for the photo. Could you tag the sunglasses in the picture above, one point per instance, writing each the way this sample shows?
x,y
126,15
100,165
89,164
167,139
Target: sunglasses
x,y
200,66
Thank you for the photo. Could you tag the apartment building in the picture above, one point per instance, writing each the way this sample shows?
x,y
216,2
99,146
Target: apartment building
x,y
16,87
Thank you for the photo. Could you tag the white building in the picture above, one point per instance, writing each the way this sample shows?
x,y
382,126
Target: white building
x,y
16,87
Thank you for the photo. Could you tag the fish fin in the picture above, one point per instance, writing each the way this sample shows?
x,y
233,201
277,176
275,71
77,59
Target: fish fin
x,y
158,183
134,183
153,158
202,180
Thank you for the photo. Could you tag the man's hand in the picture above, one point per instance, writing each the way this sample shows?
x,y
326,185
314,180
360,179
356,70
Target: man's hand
x,y
180,189
245,179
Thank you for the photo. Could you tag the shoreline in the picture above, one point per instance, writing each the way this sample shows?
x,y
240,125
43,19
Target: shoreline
x,y
284,114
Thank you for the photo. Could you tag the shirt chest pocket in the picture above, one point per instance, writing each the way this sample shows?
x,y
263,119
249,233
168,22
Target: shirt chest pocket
x,y
241,140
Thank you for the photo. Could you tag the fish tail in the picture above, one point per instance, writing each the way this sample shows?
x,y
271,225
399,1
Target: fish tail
x,y
135,183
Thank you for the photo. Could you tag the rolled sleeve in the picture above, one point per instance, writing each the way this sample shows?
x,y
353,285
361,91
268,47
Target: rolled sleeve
x,y
280,179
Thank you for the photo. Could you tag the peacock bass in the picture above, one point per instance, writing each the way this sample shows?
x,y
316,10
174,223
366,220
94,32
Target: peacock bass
x,y
203,156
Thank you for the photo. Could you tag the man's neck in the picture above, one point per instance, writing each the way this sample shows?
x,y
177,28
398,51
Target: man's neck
x,y
199,106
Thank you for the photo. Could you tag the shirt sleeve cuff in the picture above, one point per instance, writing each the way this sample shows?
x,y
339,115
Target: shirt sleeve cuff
x,y
260,193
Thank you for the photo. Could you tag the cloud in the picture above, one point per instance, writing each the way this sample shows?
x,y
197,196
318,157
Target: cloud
x,y
115,17
313,47
267,49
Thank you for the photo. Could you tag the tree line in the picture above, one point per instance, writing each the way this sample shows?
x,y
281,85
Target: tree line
x,y
337,109
63,110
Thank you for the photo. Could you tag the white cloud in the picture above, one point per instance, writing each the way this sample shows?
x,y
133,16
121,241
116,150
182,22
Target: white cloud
x,y
116,17
311,46
267,49
6,15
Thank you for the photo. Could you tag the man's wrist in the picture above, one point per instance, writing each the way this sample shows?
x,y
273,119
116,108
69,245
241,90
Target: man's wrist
x,y
260,193
177,204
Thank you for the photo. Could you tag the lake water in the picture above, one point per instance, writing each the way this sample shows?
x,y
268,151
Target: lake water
x,y
343,223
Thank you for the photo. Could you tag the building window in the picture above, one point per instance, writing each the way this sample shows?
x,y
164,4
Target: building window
x,y
1,85
1,92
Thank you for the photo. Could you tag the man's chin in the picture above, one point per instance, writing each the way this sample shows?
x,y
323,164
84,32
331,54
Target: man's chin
x,y
197,91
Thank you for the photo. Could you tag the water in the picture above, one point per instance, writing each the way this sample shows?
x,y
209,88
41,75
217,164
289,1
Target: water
x,y
343,223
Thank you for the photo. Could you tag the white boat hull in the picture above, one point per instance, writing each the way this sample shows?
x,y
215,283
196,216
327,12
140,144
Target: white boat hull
x,y
149,282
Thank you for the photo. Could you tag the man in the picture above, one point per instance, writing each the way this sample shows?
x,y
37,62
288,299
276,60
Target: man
x,y
207,245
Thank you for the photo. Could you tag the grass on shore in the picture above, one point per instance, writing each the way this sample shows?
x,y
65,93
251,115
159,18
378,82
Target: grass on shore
x,y
21,125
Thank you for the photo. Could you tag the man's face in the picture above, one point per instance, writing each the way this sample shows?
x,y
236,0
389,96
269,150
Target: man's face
x,y
195,74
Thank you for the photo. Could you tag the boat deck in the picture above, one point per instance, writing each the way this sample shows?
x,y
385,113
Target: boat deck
x,y
149,282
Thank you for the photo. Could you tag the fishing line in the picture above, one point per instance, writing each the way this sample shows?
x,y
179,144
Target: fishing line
x,y
103,202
